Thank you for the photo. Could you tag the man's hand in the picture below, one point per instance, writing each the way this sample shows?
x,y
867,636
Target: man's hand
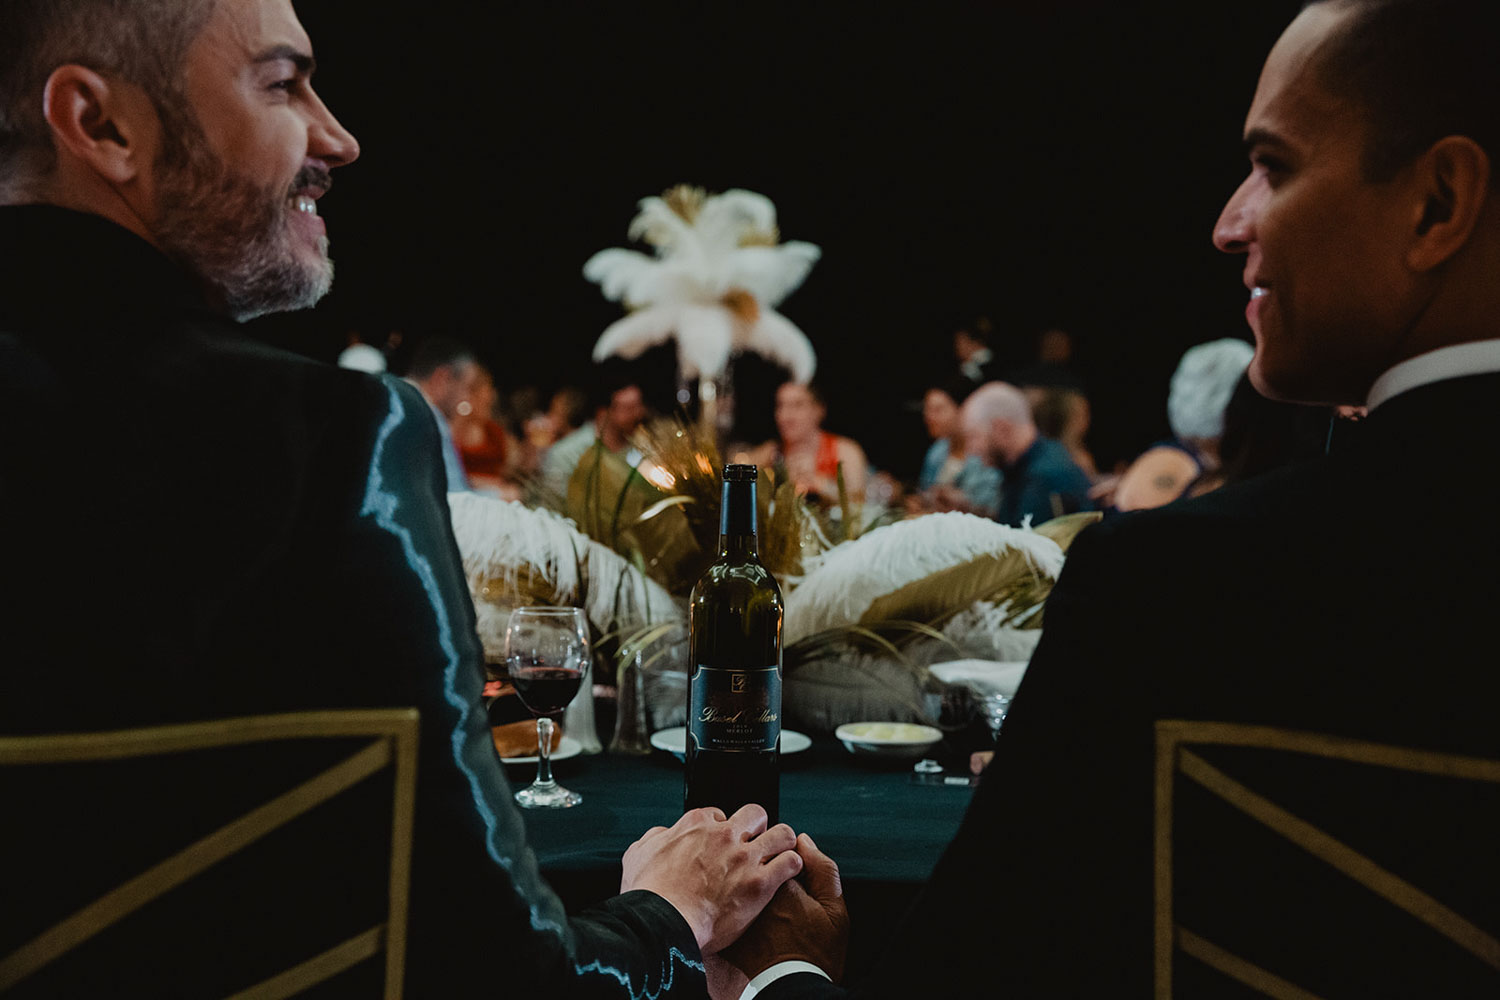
x,y
718,873
806,920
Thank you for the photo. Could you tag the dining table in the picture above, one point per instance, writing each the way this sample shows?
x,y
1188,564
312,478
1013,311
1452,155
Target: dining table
x,y
884,821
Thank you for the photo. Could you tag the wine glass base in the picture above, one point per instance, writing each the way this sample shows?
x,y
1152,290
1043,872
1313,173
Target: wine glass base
x,y
547,797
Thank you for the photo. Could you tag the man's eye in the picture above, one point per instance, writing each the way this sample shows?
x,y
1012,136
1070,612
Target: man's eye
x,y
1268,164
286,84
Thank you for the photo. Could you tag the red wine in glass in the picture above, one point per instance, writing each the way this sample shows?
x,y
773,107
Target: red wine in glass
x,y
546,690
547,650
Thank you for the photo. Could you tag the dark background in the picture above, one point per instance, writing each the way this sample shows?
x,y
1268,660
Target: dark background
x,y
1046,167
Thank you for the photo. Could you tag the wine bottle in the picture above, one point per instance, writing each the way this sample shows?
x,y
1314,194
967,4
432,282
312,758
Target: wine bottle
x,y
734,668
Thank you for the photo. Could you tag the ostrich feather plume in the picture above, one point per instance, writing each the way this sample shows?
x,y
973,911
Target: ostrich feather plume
x,y
501,540
946,560
710,252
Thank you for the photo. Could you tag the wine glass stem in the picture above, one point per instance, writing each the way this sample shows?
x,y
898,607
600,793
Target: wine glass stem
x,y
543,750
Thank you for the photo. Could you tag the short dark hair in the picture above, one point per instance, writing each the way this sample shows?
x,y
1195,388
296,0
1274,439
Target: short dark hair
x,y
1421,70
605,379
438,352
144,42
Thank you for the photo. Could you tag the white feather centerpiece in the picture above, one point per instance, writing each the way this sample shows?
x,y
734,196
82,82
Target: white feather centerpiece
x,y
870,614
863,580
514,555
712,286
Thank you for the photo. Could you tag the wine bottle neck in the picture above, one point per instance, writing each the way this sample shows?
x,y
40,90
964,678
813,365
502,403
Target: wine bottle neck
x,y
737,547
737,520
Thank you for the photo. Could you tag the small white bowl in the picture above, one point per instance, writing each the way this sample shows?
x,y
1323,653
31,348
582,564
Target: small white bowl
x,y
895,740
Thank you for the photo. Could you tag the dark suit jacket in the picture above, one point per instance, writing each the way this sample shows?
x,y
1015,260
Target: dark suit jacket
x,y
198,527
1354,596
1043,483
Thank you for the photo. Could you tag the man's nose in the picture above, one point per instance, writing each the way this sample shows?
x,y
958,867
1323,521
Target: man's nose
x,y
331,142
1234,230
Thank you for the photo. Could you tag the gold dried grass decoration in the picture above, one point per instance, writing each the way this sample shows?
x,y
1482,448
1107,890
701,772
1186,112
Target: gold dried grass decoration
x,y
614,505
686,200
672,532
788,532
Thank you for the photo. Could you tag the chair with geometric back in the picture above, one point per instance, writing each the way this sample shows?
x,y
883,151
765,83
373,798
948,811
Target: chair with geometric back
x,y
381,739
1301,865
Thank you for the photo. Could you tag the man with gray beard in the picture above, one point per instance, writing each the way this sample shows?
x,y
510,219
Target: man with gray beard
x,y
257,535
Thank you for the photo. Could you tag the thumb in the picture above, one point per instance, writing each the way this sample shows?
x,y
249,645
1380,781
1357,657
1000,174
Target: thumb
x,y
820,873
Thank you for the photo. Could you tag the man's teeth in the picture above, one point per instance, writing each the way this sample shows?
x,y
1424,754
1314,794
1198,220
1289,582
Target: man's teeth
x,y
1257,292
306,204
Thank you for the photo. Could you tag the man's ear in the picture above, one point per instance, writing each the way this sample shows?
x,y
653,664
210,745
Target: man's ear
x,y
107,124
1454,177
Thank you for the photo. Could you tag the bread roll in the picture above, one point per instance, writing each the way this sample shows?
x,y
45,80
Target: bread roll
x,y
518,739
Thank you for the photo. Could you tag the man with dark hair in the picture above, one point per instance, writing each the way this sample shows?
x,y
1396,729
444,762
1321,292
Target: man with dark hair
x,y
260,535
1257,750
619,410
446,373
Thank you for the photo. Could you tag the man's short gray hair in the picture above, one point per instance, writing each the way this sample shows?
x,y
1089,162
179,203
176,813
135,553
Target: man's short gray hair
x,y
144,42
997,401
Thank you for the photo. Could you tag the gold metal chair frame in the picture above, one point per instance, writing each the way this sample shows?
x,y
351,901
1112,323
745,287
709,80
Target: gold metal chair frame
x,y
1173,737
394,733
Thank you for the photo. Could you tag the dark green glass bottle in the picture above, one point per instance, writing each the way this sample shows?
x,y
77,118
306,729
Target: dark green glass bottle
x,y
734,668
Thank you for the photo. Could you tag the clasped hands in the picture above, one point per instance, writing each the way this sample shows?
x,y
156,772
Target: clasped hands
x,y
753,894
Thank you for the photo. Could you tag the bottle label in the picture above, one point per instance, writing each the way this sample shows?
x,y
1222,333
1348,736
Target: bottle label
x,y
735,711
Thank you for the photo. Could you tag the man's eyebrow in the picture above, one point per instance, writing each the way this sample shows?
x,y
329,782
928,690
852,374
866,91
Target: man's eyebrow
x,y
305,63
1262,137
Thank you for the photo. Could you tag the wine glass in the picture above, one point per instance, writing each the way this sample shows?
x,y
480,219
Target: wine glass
x,y
547,655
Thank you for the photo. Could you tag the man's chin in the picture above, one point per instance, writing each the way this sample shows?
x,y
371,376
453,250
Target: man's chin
x,y
287,292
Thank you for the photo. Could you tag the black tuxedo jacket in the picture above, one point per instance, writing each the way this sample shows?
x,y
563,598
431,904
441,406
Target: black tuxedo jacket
x,y
198,527
1356,597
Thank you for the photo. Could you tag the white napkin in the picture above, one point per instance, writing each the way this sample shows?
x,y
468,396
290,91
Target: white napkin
x,y
986,676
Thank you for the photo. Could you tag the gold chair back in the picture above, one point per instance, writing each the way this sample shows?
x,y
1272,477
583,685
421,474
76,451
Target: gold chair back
x,y
1180,746
393,743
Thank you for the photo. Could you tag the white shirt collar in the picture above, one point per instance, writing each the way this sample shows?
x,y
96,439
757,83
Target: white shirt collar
x,y
1477,358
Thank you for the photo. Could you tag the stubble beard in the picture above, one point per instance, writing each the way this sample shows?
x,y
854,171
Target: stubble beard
x,y
235,235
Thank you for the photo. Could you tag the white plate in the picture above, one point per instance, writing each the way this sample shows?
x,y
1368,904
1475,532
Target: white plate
x,y
566,747
986,676
674,741
887,739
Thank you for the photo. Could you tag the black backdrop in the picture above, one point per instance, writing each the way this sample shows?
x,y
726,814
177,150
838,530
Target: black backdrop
x,y
1049,167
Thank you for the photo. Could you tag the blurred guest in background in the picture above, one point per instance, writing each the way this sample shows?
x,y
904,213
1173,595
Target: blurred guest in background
x,y
446,373
566,411
484,445
951,478
1041,481
971,346
1201,388
812,457
619,409
362,357
1059,400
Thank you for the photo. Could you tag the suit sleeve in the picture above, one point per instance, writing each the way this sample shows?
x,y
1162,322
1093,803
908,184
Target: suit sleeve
x,y
480,908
